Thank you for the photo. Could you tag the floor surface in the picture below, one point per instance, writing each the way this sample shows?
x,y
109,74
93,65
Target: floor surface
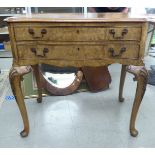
x,y
82,120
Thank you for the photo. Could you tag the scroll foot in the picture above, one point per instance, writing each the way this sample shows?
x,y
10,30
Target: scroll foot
x,y
39,100
24,133
133,132
121,99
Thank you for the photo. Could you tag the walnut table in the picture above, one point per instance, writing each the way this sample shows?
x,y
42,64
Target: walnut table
x,y
78,40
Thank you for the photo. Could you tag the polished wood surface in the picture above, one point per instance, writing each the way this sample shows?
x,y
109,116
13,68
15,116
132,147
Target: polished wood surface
x,y
94,40
78,17
78,40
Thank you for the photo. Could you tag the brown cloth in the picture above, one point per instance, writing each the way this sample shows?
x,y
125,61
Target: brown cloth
x,y
98,78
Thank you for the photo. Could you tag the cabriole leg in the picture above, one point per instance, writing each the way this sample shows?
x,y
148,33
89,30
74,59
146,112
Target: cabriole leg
x,y
141,76
15,76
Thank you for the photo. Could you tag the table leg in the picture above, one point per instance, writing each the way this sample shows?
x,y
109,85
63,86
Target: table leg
x,y
122,79
38,81
15,76
141,76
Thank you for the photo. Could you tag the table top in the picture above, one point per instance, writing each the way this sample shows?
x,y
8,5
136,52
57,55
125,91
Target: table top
x,y
81,17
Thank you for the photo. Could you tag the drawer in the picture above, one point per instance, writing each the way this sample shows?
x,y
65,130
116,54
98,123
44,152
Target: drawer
x,y
125,51
62,52
60,33
124,33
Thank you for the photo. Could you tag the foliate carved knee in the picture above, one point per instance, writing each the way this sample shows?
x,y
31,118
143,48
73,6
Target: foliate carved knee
x,y
138,72
141,76
18,72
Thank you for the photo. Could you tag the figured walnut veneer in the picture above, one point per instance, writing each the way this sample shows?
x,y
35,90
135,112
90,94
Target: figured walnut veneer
x,y
78,40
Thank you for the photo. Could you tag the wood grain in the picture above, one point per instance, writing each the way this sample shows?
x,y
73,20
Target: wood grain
x,y
78,40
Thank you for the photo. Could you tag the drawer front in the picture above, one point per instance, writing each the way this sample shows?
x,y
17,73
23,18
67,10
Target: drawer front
x,y
60,33
124,33
122,51
62,52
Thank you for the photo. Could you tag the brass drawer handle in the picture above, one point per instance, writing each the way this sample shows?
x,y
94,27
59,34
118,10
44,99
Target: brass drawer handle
x,y
38,53
124,32
113,53
43,31
32,32
45,50
33,50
